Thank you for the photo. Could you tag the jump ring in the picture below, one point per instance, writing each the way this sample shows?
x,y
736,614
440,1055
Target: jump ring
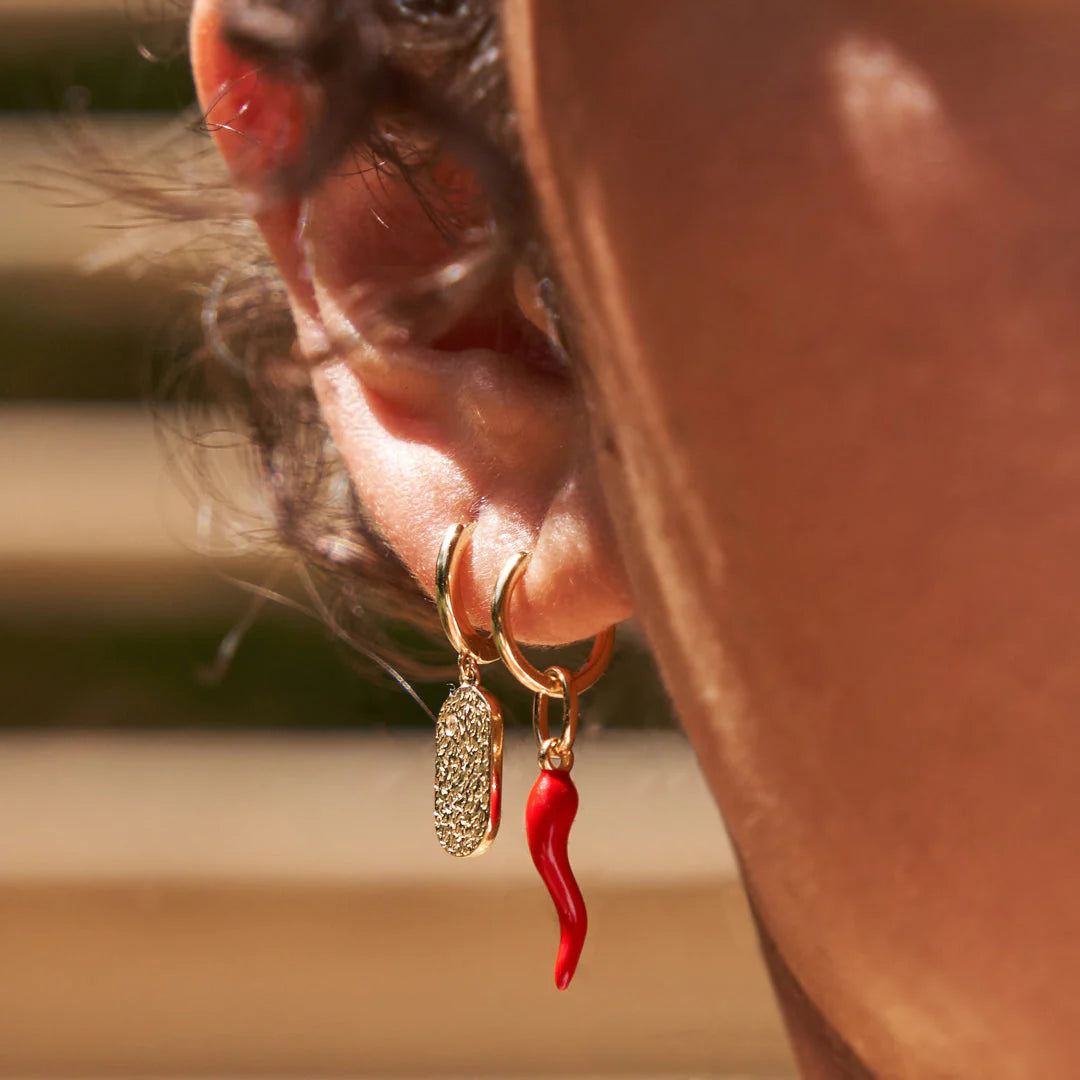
x,y
570,712
551,750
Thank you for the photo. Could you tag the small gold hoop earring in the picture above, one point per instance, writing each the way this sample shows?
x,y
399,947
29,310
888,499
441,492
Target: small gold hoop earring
x,y
463,637
527,674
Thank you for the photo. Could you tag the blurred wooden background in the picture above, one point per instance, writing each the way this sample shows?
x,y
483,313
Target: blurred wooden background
x,y
237,877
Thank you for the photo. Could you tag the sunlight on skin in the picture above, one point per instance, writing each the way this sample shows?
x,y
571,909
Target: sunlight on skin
x,y
430,437
668,502
830,341
827,257
909,156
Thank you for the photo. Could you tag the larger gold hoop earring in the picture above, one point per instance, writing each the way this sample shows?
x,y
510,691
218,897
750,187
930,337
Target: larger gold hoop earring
x,y
469,728
539,682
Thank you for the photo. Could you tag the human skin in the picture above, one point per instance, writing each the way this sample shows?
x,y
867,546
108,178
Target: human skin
x,y
431,438
826,256
831,270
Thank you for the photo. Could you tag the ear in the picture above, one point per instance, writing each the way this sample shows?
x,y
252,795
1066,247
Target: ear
x,y
476,430
257,123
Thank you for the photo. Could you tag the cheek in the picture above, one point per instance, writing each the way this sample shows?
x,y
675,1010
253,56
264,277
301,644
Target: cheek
x,y
837,347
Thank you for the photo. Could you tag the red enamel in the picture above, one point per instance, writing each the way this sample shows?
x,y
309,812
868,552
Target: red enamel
x,y
549,813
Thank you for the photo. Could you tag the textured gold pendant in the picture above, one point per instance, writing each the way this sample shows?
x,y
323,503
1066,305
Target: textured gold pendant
x,y
468,771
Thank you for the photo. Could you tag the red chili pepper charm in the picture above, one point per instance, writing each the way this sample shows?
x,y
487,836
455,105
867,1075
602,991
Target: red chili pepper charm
x,y
549,813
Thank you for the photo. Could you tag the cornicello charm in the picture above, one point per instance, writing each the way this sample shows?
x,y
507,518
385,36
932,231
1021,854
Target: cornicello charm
x,y
549,814
553,801
469,729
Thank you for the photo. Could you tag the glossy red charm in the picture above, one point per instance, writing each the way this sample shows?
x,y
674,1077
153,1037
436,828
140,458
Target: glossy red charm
x,y
549,813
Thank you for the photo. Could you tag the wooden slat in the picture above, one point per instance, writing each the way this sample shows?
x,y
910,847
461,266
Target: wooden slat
x,y
62,8
245,906
331,981
81,26
329,808
91,517
51,222
88,482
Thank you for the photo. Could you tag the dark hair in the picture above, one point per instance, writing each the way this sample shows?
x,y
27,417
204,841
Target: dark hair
x,y
392,83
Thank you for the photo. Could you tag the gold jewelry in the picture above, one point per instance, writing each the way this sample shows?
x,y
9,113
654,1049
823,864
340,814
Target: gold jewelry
x,y
556,753
553,802
469,728
537,681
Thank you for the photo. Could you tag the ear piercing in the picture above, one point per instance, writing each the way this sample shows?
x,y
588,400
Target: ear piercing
x,y
468,755
508,649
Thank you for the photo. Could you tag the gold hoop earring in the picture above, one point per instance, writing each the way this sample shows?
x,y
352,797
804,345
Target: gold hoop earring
x,y
553,801
469,728
539,682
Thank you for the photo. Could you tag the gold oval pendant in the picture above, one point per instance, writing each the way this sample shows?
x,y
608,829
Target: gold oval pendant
x,y
468,771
